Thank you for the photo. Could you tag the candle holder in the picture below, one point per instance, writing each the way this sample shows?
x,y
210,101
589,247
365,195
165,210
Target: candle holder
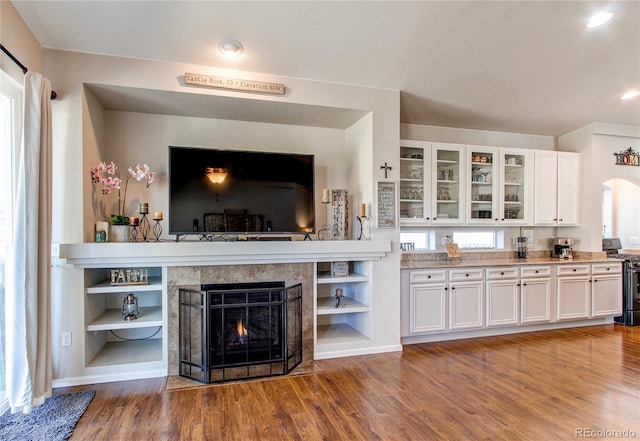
x,y
365,234
325,229
134,233
157,230
144,226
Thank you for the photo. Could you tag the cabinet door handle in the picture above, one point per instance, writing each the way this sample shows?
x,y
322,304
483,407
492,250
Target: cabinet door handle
x,y
466,275
574,270
524,284
427,218
453,287
446,289
502,274
537,271
496,219
428,277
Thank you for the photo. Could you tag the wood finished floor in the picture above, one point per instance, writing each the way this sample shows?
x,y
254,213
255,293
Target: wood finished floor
x,y
533,386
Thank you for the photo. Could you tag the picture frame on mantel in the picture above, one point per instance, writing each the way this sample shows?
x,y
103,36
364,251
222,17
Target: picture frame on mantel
x,y
386,204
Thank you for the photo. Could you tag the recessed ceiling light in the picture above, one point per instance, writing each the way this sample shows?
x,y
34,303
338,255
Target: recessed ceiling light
x,y
599,19
630,94
231,48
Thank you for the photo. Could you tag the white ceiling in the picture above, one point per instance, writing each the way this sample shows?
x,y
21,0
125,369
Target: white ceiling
x,y
514,66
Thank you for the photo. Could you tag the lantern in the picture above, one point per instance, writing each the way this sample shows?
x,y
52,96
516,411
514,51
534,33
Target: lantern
x,y
130,308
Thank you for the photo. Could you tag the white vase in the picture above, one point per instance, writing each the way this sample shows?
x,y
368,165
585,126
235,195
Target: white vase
x,y
119,233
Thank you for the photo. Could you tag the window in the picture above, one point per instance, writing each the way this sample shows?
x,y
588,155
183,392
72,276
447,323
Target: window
x,y
10,108
417,240
477,239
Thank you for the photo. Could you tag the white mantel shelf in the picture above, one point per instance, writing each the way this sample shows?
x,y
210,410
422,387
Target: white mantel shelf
x,y
187,253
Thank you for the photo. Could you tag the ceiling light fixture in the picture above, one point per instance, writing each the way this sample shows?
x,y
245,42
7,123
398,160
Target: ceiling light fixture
x,y
599,19
630,94
216,175
231,48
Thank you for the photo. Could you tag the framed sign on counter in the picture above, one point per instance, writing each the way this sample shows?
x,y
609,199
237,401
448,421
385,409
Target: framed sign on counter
x,y
386,205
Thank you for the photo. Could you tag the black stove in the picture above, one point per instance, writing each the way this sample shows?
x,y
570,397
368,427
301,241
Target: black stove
x,y
630,281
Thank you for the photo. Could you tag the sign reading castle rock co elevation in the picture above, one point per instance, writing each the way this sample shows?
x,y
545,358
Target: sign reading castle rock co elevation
x,y
234,84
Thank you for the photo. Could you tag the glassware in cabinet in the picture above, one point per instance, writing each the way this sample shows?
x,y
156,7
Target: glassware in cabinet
x,y
413,188
515,186
482,185
448,191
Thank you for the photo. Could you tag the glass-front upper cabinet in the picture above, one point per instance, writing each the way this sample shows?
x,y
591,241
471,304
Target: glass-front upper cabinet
x,y
516,192
448,178
414,183
482,185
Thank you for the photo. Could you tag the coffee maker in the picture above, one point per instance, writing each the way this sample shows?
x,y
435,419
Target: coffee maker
x,y
561,248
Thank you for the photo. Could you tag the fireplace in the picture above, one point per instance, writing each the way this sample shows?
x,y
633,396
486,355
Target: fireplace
x,y
239,331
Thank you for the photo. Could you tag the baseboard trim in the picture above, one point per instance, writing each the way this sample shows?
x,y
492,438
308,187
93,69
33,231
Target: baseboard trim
x,y
490,332
107,378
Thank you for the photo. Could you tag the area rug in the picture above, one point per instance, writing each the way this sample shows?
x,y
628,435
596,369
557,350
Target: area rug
x,y
52,421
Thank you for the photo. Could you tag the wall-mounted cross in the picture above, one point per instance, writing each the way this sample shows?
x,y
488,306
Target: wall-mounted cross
x,y
386,168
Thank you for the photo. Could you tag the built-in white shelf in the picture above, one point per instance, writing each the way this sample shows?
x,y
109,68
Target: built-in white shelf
x,y
196,252
105,287
337,334
112,319
126,352
353,277
327,306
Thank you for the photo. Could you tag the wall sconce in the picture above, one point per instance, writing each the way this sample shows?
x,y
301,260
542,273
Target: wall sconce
x,y
216,175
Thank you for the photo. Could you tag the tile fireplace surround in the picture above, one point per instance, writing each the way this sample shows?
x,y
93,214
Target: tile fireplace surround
x,y
194,276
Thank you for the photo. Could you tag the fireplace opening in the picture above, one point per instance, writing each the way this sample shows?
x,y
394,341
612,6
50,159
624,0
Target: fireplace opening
x,y
239,331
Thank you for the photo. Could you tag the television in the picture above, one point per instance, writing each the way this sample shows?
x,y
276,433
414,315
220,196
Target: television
x,y
233,192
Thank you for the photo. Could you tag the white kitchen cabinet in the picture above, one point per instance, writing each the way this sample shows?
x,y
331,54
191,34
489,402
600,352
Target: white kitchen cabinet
x,y
606,289
503,296
516,187
556,188
424,301
573,290
415,183
535,294
448,177
466,298
482,185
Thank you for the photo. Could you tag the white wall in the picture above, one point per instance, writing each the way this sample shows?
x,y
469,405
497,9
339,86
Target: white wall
x,y
86,131
597,144
137,138
18,39
477,137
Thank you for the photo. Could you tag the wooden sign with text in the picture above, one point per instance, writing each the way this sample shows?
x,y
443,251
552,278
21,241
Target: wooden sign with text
x,y
234,84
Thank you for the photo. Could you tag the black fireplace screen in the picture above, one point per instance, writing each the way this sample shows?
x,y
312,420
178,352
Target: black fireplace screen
x,y
238,331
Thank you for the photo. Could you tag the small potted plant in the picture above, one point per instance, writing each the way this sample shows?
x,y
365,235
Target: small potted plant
x,y
108,177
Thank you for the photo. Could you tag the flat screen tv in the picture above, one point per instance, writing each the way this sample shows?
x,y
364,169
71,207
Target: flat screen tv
x,y
232,192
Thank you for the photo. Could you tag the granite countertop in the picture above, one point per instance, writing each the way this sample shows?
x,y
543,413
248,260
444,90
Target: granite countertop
x,y
413,260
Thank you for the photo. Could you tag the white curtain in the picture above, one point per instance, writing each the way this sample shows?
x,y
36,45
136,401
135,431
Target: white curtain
x,y
28,300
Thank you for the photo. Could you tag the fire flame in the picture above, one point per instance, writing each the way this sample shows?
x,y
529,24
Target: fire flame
x,y
240,329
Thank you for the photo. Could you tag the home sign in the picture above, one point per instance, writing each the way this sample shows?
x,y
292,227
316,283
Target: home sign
x,y
233,84
627,157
